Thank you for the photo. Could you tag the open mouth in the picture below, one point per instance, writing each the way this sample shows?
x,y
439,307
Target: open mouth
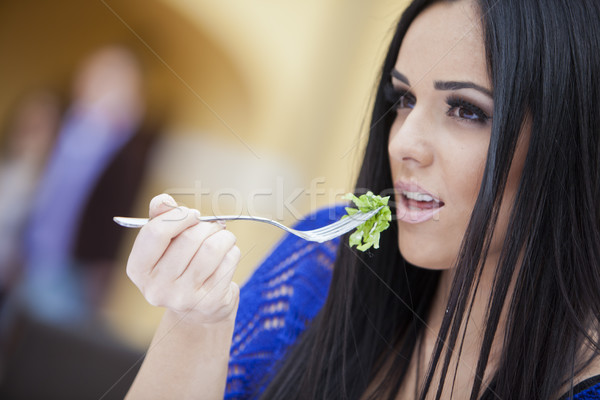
x,y
416,201
415,204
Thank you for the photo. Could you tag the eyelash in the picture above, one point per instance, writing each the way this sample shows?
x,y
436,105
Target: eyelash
x,y
395,98
457,104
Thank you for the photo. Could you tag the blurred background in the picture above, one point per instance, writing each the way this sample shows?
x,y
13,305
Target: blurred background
x,y
229,106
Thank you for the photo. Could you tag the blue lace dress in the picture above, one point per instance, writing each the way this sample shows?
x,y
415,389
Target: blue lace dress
x,y
285,293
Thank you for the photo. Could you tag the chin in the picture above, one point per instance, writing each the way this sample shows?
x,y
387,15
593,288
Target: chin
x,y
424,257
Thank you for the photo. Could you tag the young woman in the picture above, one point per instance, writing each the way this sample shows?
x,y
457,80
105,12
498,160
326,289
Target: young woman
x,y
486,126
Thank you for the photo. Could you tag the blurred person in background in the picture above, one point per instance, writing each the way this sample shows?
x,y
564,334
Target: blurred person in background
x,y
27,139
70,243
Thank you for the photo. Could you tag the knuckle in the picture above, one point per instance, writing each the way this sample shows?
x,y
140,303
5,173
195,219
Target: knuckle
x,y
202,293
198,277
212,244
233,255
131,273
229,296
229,237
211,304
179,302
221,240
235,251
134,274
154,296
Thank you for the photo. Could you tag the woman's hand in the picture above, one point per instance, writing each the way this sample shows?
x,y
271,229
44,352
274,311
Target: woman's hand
x,y
185,265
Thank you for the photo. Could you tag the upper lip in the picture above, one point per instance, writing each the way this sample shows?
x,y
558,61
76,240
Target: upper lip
x,y
404,187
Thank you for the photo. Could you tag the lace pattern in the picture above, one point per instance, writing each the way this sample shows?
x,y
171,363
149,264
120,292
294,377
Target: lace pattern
x,y
283,295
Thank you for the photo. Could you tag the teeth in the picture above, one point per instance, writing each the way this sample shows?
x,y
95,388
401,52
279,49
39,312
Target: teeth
x,y
418,196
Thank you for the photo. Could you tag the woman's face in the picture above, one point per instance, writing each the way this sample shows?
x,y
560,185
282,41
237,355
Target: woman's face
x,y
439,139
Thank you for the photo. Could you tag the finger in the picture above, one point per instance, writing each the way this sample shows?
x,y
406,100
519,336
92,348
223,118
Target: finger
x,y
182,249
154,238
187,293
218,295
160,204
231,299
209,256
220,280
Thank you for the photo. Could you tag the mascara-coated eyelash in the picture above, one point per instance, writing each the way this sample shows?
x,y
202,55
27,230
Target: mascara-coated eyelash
x,y
398,98
464,110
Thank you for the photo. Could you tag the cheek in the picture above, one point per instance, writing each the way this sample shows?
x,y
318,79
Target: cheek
x,y
464,174
464,186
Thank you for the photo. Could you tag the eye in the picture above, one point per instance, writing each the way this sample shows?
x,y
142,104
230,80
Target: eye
x,y
466,111
398,98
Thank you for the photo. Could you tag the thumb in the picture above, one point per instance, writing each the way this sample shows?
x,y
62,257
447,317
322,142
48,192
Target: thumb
x,y
161,204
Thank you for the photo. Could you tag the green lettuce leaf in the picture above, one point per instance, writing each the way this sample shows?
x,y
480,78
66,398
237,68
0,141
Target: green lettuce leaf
x,y
367,234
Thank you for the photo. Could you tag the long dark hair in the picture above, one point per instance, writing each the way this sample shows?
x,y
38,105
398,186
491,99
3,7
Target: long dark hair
x,y
544,65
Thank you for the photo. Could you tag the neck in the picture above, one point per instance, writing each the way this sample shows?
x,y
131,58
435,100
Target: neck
x,y
464,361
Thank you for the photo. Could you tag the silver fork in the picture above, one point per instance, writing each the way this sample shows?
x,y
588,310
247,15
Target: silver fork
x,y
320,235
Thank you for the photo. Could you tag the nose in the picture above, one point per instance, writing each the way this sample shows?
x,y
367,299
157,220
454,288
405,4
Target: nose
x,y
410,139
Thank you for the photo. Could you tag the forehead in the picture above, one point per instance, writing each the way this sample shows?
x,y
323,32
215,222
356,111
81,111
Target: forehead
x,y
445,42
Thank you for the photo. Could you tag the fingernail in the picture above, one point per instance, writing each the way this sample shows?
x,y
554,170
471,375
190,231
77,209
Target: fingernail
x,y
222,223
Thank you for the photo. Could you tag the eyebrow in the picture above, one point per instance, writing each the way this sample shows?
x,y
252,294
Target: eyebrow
x,y
400,76
446,85
455,85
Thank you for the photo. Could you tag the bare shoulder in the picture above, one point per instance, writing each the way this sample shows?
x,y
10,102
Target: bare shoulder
x,y
590,371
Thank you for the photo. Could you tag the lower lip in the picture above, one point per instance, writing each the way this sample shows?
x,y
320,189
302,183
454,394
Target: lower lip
x,y
407,212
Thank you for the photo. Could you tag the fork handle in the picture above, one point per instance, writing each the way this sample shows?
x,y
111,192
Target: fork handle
x,y
129,222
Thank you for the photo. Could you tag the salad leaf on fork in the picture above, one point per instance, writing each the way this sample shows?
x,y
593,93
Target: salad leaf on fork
x,y
367,234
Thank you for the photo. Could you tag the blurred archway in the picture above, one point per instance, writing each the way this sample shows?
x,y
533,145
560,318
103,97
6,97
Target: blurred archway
x,y
42,42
